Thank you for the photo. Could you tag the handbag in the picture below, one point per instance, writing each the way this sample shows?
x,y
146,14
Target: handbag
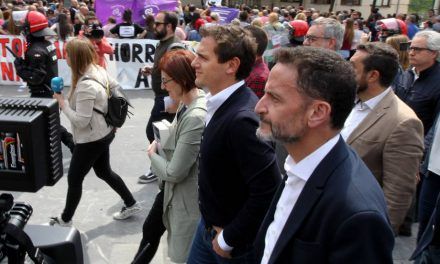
x,y
117,105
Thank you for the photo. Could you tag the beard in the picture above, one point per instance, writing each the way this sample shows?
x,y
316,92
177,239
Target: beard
x,y
276,134
362,87
161,34
362,84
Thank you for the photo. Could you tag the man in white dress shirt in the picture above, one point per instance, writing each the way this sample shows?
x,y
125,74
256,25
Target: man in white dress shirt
x,y
329,209
238,173
383,130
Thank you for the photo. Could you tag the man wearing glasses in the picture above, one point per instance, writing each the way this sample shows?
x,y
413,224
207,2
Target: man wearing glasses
x,y
165,26
325,33
422,93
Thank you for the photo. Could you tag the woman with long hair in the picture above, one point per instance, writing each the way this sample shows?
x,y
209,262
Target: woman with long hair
x,y
358,32
63,27
91,133
400,43
176,206
348,38
12,29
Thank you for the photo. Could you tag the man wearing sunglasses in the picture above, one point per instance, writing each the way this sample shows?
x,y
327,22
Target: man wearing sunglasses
x,y
165,26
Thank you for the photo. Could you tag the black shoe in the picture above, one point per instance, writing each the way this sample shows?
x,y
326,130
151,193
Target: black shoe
x,y
405,230
147,178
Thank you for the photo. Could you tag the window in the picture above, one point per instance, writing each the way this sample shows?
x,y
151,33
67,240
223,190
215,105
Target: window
x,y
353,2
321,2
383,3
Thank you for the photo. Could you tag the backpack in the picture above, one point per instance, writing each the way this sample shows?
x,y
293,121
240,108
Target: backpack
x,y
117,105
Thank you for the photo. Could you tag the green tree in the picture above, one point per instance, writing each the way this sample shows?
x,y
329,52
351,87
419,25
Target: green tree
x,y
420,7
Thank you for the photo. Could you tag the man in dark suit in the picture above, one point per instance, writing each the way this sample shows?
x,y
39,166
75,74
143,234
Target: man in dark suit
x,y
238,174
330,209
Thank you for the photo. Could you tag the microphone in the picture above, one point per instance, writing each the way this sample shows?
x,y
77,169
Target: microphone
x,y
57,84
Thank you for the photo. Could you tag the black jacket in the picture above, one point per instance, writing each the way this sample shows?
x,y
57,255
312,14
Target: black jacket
x,y
238,172
422,95
39,66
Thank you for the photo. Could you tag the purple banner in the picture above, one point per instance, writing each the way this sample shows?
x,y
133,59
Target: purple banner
x,y
115,8
226,14
139,8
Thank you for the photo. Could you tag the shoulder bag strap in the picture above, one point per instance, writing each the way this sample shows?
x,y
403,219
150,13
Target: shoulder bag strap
x,y
106,87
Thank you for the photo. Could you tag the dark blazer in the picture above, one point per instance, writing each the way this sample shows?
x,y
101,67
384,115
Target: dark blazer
x,y
340,216
431,235
238,174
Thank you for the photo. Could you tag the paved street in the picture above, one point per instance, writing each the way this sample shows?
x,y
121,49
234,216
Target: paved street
x,y
104,239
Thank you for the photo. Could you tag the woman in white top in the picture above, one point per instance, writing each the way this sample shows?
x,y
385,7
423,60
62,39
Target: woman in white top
x,y
91,133
358,31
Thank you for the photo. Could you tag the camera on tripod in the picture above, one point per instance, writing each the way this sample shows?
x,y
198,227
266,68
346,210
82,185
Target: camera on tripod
x,y
30,158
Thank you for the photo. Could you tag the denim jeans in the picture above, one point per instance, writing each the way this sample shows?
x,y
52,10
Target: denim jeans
x,y
202,252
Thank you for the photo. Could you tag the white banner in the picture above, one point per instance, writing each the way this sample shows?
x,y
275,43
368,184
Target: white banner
x,y
130,55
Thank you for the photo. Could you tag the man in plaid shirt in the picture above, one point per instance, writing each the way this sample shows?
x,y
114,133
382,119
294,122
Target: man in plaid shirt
x,y
258,76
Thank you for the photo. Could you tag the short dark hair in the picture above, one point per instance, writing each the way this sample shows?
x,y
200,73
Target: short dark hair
x,y
177,64
260,37
382,58
243,16
126,16
324,75
233,41
170,18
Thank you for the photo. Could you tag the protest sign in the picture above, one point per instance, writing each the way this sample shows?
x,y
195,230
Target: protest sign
x,y
125,65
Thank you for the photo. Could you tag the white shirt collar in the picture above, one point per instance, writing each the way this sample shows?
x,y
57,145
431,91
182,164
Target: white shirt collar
x,y
307,166
371,103
213,102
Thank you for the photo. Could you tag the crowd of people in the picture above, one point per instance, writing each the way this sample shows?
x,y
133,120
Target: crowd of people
x,y
295,135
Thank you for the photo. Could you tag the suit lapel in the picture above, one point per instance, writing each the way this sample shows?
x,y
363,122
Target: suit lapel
x,y
309,196
377,113
225,106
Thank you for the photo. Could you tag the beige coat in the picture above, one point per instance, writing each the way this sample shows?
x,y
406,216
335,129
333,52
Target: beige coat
x,y
179,172
88,125
390,142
